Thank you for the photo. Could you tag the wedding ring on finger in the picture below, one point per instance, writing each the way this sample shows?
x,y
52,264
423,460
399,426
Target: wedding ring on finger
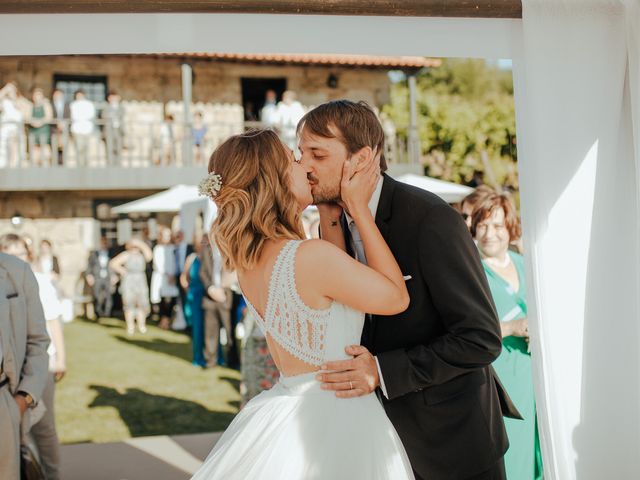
x,y
350,385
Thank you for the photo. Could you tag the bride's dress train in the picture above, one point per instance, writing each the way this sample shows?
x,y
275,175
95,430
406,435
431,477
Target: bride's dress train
x,y
296,430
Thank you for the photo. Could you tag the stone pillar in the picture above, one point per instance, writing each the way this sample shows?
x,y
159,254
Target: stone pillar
x,y
187,141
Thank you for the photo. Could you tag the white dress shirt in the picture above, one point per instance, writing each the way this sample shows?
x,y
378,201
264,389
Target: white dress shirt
x,y
83,113
358,248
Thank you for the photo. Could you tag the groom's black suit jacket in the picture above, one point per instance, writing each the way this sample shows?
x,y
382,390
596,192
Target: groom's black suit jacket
x,y
445,400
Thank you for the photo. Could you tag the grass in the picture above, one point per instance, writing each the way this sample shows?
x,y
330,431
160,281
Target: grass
x,y
117,387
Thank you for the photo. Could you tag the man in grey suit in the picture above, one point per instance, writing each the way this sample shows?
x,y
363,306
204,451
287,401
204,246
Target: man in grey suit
x,y
23,358
216,303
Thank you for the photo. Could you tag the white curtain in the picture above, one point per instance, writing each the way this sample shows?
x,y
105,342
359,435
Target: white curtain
x,y
577,101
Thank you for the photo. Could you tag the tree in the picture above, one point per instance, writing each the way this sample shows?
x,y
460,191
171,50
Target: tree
x,y
466,121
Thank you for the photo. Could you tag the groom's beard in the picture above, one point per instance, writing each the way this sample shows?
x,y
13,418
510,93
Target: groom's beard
x,y
323,193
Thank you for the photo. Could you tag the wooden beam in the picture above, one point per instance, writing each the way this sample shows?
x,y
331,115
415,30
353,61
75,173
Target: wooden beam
x,y
404,8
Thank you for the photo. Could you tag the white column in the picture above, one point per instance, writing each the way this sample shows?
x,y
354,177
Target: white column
x,y
580,214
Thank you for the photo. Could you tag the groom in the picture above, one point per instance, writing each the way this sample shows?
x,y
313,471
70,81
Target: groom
x,y
431,363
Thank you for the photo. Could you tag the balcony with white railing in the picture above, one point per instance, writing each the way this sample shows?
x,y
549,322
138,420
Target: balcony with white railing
x,y
133,155
143,154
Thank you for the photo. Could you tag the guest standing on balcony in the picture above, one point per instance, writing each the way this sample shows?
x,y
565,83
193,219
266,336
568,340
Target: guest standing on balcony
x,y
11,121
269,112
83,115
113,115
39,137
166,141
289,113
198,131
60,133
131,265
164,287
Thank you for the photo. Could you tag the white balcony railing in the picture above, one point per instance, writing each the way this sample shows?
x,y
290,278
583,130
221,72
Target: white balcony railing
x,y
122,158
129,145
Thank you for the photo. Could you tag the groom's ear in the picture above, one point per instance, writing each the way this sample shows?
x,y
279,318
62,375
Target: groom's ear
x,y
362,156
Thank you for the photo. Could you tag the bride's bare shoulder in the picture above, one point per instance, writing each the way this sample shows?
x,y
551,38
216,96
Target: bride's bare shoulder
x,y
316,247
319,255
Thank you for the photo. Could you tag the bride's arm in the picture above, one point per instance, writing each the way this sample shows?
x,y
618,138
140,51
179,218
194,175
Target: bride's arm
x,y
332,273
378,288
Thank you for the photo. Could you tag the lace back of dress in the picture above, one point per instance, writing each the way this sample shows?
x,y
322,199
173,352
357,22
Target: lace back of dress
x,y
297,328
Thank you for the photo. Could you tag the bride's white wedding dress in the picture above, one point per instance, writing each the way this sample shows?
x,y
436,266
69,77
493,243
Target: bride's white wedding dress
x,y
296,430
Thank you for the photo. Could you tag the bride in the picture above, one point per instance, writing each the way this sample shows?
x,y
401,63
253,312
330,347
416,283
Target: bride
x,y
308,298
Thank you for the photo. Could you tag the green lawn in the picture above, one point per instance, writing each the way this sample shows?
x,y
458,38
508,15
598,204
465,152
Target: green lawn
x,y
119,387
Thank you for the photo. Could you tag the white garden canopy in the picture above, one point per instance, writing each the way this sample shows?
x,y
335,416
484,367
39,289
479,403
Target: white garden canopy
x,y
169,200
448,191
576,66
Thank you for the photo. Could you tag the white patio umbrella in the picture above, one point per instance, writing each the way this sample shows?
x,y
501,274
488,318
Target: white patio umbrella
x,y
167,201
448,191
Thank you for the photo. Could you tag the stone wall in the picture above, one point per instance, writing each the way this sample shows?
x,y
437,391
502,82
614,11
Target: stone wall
x,y
45,205
67,220
72,239
153,79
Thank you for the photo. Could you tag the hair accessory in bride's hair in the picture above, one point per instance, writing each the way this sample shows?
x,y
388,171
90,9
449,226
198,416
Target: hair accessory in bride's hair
x,y
210,185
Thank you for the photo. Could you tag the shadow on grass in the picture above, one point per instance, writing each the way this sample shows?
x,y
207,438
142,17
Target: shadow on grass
x,y
235,383
108,322
176,349
146,414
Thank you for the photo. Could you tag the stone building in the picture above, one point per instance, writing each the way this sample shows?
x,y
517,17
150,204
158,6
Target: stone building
x,y
67,201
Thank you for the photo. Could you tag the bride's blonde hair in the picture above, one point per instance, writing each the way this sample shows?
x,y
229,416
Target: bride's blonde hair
x,y
255,202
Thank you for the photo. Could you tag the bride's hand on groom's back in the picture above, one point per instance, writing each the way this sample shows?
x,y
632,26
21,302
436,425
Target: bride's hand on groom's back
x,y
351,378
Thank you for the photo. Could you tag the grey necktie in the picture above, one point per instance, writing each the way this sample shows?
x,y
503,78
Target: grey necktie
x,y
362,258
357,243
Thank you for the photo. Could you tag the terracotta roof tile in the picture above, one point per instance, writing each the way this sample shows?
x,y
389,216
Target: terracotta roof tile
x,y
318,59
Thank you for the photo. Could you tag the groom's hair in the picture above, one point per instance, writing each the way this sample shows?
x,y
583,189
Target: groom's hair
x,y
356,123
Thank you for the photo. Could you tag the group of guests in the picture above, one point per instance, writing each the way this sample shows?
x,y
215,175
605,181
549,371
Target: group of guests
x,y
283,116
46,126
43,268
493,221
187,288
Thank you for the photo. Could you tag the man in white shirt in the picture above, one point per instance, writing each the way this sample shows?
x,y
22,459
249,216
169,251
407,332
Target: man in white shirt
x,y
269,112
83,114
289,113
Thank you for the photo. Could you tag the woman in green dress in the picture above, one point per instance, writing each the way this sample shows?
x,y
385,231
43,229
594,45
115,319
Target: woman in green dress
x,y
495,226
39,128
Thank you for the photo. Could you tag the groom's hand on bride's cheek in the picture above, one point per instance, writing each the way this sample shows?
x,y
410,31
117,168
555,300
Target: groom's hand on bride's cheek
x,y
351,378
